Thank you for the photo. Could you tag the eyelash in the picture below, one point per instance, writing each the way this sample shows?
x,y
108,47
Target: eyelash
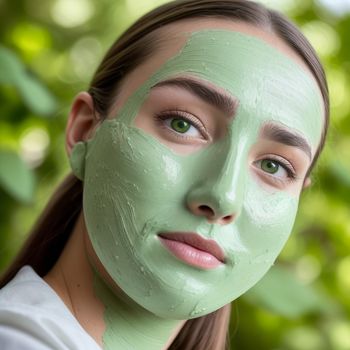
x,y
181,114
287,166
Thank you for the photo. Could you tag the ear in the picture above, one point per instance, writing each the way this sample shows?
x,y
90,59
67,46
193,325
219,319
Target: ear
x,y
81,124
307,183
82,121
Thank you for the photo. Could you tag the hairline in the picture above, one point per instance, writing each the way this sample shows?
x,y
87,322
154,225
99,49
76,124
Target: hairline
x,y
157,38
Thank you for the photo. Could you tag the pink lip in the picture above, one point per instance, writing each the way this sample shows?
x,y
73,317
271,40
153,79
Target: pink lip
x,y
194,249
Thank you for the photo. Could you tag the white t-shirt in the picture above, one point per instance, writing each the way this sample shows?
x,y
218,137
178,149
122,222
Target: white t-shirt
x,y
33,317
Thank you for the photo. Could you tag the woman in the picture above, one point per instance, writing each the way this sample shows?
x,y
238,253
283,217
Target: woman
x,y
192,145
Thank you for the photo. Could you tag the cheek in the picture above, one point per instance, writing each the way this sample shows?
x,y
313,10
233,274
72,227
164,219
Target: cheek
x,y
267,220
126,162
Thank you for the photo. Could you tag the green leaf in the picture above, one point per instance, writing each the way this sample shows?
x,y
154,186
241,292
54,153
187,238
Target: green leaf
x,y
38,99
341,173
10,67
15,177
280,292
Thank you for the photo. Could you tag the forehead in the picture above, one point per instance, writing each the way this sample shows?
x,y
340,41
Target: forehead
x,y
253,65
183,28
171,38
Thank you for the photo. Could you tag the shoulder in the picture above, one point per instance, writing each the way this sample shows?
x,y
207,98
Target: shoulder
x,y
32,316
26,288
15,339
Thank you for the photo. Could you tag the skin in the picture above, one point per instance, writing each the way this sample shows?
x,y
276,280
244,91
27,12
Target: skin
x,y
81,276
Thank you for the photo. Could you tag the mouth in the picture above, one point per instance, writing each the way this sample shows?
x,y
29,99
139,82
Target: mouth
x,y
193,249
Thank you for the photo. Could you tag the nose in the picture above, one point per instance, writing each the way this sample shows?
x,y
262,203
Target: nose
x,y
219,197
213,216
220,203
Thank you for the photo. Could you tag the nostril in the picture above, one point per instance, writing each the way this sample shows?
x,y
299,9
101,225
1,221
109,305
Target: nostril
x,y
227,219
207,211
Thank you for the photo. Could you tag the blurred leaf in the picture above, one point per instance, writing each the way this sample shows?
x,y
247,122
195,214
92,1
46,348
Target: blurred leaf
x,y
15,177
340,172
10,67
280,292
38,99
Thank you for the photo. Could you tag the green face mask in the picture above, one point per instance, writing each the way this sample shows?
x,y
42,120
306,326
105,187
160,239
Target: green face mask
x,y
135,187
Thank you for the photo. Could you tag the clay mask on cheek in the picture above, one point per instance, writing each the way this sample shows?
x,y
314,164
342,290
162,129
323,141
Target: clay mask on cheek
x,y
135,187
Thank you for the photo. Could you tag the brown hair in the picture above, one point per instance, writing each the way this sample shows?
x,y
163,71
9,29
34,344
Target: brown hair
x,y
54,226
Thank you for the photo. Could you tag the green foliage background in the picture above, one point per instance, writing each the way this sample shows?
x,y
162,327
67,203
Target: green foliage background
x,y
48,52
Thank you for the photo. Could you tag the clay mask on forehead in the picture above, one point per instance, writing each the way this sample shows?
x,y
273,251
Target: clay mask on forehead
x,y
135,187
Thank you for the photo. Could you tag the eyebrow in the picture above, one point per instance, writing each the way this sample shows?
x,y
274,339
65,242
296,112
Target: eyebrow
x,y
279,134
223,102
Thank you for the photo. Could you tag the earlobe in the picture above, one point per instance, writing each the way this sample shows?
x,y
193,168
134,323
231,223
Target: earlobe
x,y
77,159
307,183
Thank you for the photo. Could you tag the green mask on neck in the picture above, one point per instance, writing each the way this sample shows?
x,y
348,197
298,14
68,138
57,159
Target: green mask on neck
x,y
135,187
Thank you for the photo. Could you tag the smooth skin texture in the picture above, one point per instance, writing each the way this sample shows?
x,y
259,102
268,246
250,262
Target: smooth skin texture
x,y
251,211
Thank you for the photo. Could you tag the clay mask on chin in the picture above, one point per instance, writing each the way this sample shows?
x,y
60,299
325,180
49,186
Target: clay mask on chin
x,y
135,187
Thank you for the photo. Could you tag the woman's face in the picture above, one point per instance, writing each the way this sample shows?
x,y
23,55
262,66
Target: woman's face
x,y
191,186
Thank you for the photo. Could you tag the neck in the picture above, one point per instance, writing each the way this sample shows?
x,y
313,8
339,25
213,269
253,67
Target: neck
x,y
129,326
103,310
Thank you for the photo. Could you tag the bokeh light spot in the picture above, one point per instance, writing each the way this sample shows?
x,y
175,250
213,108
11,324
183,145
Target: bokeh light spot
x,y
72,13
337,7
33,146
85,55
307,269
304,338
340,335
30,38
323,37
137,8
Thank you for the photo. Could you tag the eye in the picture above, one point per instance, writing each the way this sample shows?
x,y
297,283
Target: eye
x,y
280,169
182,124
270,166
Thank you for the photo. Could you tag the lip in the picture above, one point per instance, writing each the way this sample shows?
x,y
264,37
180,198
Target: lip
x,y
193,249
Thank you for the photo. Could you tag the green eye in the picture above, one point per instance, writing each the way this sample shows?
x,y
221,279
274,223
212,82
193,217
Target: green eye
x,y
180,125
269,166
